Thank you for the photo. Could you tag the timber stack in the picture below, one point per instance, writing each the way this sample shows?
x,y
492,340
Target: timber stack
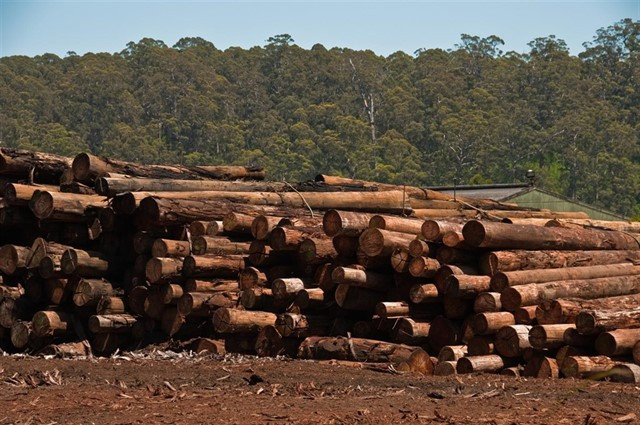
x,y
100,255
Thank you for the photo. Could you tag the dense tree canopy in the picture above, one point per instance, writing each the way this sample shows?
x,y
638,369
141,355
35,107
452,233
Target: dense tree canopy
x,y
473,113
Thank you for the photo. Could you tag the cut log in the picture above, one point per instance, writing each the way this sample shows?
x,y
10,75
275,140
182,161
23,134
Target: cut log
x,y
481,345
540,366
310,298
575,339
532,294
257,299
361,278
198,228
346,223
454,239
412,332
526,315
227,320
212,266
237,223
251,277
207,245
619,342
566,310
515,236
451,353
511,341
434,230
207,346
377,242
440,278
286,289
19,195
217,285
502,280
466,286
548,336
490,323
445,368
400,260
89,167
262,225
506,261
593,321
622,226
13,258
159,269
214,228
345,246
87,263
88,292
302,326
66,207
67,350
420,248
111,186
444,332
396,224
423,267
170,248
446,255
317,251
487,302
203,304
171,292
587,367
491,363
355,349
111,305
290,238
111,323
55,323
423,293
625,372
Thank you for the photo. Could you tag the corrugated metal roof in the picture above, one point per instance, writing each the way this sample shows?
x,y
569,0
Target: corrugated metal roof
x,y
495,193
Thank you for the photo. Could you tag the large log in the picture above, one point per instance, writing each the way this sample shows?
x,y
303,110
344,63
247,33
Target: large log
x,y
89,167
548,336
618,342
515,236
44,167
592,321
502,280
532,294
227,320
512,340
585,367
212,266
13,258
16,194
566,310
396,224
376,242
434,230
355,349
621,226
111,186
506,261
66,207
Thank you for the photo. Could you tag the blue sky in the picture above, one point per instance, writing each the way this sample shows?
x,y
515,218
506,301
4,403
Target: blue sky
x,y
36,27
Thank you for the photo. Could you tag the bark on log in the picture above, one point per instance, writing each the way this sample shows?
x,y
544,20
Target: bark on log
x,y
502,280
618,342
89,167
111,186
587,367
412,332
548,336
20,194
396,224
159,269
491,363
317,251
262,225
440,278
285,290
525,315
423,267
171,292
423,293
593,321
54,323
111,323
377,242
490,323
310,298
434,230
111,305
566,310
487,302
466,286
451,353
207,245
227,320
66,207
506,261
511,341
46,167
257,299
88,292
362,278
212,266
513,236
346,223
170,248
13,258
531,294
237,223
217,285
203,304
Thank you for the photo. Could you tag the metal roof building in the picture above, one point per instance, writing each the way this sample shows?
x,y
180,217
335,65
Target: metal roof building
x,y
530,196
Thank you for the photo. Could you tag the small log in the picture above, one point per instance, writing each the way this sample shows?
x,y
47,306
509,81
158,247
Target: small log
x,y
491,363
454,239
617,342
625,372
170,248
110,305
212,266
198,228
111,323
88,292
423,293
525,315
466,286
445,368
396,224
511,341
490,323
171,292
423,267
65,207
361,278
481,345
540,366
86,263
257,298
400,260
237,223
227,320
420,248
354,298
208,346
316,251
310,298
207,245
451,353
487,302
348,223
412,332
54,323
13,258
218,285
445,271
67,350
214,228
203,304
434,230
262,225
566,310
587,367
548,336
376,242
285,289
302,326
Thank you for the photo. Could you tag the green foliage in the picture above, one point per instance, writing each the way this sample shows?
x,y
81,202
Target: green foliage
x,y
473,113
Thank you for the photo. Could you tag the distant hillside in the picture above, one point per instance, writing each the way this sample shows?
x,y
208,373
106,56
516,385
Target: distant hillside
x,y
472,113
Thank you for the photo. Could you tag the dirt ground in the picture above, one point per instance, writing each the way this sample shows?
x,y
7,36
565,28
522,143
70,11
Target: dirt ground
x,y
248,390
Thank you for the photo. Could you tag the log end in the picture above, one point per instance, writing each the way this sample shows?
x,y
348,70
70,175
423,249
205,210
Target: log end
x,y
81,166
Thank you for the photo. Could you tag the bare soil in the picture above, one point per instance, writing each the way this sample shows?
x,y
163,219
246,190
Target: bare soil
x,y
249,390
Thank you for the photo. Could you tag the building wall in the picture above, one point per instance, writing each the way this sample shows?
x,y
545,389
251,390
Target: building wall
x,y
537,199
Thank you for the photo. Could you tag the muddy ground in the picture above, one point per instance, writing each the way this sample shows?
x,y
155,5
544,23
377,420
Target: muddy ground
x,y
248,390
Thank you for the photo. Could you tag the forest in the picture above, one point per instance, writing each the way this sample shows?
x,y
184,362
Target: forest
x,y
469,114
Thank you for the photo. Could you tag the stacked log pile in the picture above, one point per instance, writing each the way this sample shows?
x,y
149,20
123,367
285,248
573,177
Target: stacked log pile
x,y
99,255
